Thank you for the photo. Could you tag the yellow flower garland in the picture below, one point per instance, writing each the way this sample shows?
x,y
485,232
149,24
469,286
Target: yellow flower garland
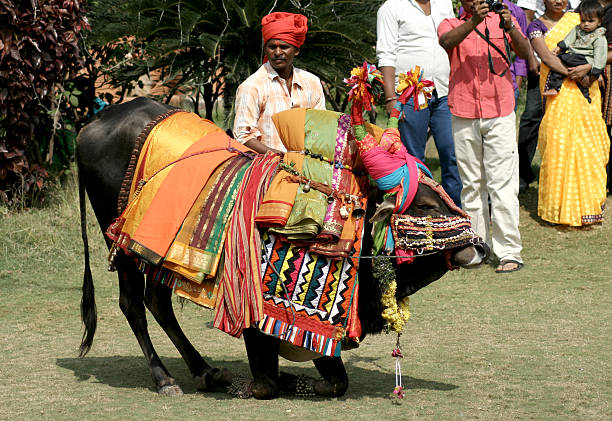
x,y
395,312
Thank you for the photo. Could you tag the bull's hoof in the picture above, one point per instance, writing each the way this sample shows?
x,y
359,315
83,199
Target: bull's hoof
x,y
213,379
264,390
170,390
330,390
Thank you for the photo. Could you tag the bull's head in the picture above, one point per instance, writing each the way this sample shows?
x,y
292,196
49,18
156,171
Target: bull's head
x,y
429,201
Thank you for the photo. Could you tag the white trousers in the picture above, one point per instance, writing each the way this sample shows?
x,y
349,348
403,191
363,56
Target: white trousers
x,y
487,158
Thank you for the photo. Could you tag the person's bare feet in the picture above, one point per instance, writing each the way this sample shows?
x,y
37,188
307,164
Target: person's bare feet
x,y
506,266
550,92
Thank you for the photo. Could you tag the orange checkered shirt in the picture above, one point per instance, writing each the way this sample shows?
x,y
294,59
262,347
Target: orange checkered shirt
x,y
264,94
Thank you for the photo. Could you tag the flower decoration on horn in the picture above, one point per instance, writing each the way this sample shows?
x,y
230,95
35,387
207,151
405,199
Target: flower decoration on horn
x,y
395,171
413,84
366,83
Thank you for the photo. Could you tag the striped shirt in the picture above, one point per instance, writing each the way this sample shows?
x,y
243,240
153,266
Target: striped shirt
x,y
264,94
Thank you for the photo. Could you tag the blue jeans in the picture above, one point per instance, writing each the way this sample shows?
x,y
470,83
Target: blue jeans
x,y
517,93
413,131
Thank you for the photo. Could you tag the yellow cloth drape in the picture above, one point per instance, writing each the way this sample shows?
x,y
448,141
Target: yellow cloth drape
x,y
574,146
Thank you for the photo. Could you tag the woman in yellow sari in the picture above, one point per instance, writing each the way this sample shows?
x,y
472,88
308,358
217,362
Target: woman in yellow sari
x,y
573,141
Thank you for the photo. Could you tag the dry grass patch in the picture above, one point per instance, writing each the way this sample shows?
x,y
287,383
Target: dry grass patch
x,y
534,344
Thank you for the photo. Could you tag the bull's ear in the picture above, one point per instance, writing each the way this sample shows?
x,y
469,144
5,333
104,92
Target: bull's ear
x,y
384,210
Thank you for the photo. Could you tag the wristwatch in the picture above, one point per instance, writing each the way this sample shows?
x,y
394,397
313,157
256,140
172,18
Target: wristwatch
x,y
512,26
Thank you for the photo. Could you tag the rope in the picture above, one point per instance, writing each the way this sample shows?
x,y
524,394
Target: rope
x,y
282,335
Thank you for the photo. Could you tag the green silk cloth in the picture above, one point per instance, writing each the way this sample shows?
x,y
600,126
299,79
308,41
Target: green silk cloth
x,y
308,212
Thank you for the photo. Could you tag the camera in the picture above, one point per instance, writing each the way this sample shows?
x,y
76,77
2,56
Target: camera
x,y
495,5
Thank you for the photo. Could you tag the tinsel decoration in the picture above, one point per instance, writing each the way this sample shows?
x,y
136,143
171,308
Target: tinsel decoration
x,y
298,385
412,84
366,88
241,387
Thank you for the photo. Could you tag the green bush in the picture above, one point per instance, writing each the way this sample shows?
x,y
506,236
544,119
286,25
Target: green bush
x,y
40,58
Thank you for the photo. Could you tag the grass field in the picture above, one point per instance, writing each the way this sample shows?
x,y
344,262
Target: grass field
x,y
535,344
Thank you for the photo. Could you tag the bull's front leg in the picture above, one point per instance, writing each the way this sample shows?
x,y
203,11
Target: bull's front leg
x,y
262,351
335,379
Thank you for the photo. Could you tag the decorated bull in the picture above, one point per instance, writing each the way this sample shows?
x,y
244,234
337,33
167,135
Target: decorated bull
x,y
110,147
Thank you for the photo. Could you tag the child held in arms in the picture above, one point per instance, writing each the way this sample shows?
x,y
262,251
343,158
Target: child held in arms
x,y
585,43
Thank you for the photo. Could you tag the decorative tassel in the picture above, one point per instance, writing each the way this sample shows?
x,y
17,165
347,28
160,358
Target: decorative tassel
x,y
397,354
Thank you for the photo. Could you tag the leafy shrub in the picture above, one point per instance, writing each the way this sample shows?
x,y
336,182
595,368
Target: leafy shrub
x,y
40,58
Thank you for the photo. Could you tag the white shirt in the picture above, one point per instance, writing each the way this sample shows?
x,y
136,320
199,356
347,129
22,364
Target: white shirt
x,y
538,5
406,37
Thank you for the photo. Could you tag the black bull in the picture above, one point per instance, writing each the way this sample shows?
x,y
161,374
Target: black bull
x,y
104,149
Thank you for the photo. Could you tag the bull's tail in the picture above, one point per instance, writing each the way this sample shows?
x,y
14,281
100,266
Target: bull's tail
x,y
89,314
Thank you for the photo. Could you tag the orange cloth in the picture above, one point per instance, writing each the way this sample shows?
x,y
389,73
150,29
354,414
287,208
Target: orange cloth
x,y
280,197
204,294
151,220
288,27
197,248
166,142
178,192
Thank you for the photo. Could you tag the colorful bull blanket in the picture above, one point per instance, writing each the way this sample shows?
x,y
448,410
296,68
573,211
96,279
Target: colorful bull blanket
x,y
197,248
313,303
190,220
182,150
322,148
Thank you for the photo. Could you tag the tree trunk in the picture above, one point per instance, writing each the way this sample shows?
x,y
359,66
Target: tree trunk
x,y
208,100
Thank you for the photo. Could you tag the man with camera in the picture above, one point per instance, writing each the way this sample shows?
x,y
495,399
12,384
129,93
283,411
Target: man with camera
x,y
481,101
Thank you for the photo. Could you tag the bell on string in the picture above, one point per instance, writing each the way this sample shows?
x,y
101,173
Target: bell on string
x,y
358,211
344,213
306,187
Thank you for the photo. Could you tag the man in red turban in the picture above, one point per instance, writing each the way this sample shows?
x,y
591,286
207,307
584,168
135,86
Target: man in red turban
x,y
277,85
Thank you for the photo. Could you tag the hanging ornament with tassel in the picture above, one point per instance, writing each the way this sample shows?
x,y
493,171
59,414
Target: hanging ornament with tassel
x,y
394,170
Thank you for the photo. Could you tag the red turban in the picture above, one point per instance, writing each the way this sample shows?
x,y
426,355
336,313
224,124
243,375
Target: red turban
x,y
288,27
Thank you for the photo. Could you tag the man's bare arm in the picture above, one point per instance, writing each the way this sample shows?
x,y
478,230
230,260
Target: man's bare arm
x,y
388,73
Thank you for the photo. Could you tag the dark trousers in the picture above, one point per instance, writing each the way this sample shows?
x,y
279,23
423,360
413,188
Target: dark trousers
x,y
529,128
555,80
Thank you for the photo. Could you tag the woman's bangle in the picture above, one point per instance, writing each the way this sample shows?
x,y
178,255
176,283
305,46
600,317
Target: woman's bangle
x,y
392,98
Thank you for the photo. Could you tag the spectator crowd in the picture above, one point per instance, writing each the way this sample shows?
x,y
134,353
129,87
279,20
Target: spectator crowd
x,y
480,58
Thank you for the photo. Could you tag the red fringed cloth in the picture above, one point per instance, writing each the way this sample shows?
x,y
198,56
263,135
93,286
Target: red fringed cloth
x,y
239,299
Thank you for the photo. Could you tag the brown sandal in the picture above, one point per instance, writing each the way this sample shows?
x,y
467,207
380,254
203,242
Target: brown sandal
x,y
503,263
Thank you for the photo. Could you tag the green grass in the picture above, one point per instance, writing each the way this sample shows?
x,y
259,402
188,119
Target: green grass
x,y
534,344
